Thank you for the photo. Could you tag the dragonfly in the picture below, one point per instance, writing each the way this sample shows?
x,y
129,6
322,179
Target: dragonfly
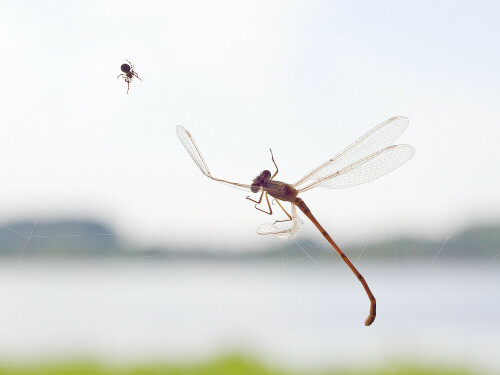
x,y
370,157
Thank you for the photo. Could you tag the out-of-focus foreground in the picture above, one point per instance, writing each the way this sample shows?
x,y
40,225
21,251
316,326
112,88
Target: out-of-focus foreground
x,y
225,366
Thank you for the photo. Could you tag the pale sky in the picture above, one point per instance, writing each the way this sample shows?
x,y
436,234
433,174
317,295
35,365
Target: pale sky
x,y
304,78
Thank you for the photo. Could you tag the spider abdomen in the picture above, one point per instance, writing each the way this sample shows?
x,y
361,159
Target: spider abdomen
x,y
125,68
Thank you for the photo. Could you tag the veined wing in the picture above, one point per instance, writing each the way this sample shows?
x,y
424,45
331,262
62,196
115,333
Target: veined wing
x,y
193,150
367,169
375,140
286,233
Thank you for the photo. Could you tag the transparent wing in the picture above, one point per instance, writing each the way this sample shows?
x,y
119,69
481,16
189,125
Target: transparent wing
x,y
193,150
375,140
367,169
234,185
284,234
190,145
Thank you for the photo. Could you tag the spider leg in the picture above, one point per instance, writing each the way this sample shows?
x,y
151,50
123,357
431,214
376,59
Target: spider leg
x,y
136,75
128,85
131,65
120,75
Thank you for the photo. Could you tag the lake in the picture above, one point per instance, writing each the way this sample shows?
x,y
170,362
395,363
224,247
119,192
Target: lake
x,y
297,314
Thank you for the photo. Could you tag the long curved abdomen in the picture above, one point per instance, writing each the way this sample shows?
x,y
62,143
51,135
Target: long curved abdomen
x,y
373,307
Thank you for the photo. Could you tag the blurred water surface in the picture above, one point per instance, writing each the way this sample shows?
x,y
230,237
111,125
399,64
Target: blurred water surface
x,y
295,314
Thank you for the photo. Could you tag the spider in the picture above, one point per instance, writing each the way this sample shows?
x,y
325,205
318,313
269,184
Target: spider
x,y
128,73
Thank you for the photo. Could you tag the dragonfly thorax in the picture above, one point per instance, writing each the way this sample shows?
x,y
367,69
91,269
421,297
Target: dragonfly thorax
x,y
280,190
263,177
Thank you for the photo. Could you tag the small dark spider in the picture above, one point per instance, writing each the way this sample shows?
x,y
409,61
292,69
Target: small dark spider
x,y
128,73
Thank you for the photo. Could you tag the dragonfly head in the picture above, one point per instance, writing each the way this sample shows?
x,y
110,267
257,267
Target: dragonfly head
x,y
259,180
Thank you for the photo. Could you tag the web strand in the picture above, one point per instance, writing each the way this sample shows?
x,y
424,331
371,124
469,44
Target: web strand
x,y
28,240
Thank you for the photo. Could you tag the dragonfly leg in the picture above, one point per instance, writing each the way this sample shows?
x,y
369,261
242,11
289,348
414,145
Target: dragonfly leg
x,y
260,199
287,214
268,204
272,157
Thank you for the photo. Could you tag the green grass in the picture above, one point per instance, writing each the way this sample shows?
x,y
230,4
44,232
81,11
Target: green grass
x,y
232,365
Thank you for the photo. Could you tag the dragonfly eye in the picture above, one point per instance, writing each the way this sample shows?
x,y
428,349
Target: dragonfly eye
x,y
259,180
